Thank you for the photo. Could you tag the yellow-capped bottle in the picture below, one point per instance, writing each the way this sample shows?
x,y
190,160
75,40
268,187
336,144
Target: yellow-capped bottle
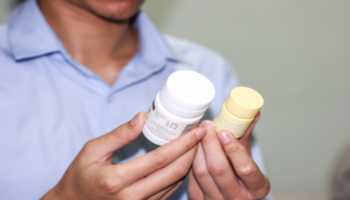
x,y
239,110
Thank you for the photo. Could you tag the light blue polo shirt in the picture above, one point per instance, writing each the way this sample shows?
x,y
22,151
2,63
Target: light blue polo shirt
x,y
50,105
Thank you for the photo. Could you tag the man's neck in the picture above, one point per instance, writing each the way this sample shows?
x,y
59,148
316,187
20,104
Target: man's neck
x,y
101,45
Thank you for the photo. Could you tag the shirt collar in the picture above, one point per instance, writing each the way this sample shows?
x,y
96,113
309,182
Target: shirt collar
x,y
153,46
30,36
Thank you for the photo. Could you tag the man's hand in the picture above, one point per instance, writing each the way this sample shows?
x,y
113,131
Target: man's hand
x,y
154,175
224,168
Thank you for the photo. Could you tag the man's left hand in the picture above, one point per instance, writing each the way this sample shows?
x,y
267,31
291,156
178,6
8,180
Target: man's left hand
x,y
224,168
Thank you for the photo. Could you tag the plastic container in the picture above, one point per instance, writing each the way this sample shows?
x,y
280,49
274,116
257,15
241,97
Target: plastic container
x,y
178,106
239,110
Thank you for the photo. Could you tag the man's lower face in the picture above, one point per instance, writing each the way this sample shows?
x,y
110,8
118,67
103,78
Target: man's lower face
x,y
117,10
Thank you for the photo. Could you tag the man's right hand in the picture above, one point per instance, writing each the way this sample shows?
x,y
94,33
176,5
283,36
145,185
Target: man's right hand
x,y
155,175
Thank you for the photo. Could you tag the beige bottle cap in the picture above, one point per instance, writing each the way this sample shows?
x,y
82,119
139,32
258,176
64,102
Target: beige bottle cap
x,y
244,102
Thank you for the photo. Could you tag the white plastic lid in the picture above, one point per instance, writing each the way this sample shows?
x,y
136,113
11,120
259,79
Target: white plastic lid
x,y
187,94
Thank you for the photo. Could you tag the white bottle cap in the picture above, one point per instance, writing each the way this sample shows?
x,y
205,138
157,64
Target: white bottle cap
x,y
187,94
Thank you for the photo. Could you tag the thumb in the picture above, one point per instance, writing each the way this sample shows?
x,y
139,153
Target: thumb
x,y
118,138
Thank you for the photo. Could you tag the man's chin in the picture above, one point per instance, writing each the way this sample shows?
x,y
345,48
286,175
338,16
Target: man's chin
x,y
121,13
119,19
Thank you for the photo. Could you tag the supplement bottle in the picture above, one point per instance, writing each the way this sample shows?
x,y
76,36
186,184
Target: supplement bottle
x,y
239,110
178,106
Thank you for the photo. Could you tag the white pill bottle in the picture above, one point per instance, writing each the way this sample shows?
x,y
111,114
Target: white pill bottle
x,y
179,105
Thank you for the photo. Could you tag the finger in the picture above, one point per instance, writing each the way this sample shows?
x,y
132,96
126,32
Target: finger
x,y
244,166
170,192
246,140
218,165
116,139
162,178
133,170
202,176
194,191
166,192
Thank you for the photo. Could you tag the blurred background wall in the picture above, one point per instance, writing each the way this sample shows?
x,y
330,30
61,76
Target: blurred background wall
x,y
296,52
3,9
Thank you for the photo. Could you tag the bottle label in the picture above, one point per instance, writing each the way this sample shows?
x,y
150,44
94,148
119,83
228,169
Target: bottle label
x,y
164,128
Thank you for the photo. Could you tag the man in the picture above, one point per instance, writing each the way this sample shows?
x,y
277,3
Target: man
x,y
73,70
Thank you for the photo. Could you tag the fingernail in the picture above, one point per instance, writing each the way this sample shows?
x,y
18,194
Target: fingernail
x,y
225,137
135,121
200,132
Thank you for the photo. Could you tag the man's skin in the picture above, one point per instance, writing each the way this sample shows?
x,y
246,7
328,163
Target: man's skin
x,y
154,175
223,167
99,35
96,33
